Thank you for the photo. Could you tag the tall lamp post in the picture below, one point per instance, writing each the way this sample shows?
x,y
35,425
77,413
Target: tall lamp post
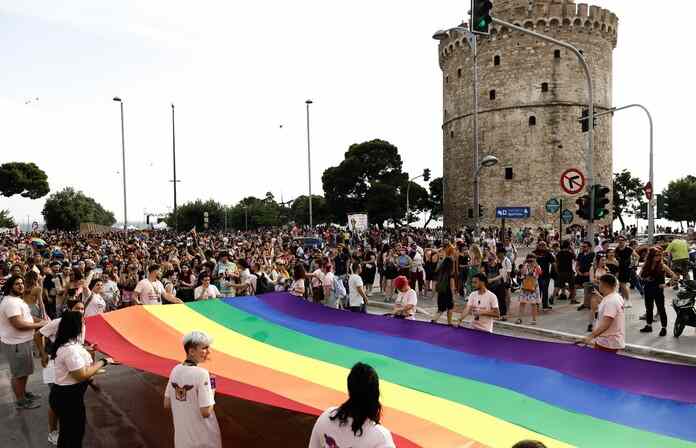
x,y
309,165
486,162
123,157
174,181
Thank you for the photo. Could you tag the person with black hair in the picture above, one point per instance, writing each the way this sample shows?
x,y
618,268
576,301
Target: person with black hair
x,y
446,289
16,335
73,370
529,444
482,303
609,333
356,423
150,290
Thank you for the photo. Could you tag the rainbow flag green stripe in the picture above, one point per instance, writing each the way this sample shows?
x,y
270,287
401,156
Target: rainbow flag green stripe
x,y
569,427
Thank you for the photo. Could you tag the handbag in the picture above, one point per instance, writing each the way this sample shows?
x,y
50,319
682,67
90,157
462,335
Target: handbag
x,y
529,284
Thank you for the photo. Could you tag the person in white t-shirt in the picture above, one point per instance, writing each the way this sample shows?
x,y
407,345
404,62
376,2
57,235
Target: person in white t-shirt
x,y
16,340
356,423
406,299
190,394
482,304
328,282
357,299
609,333
205,290
95,303
73,370
150,290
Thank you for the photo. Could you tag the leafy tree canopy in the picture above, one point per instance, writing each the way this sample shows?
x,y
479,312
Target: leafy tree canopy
x,y
628,195
66,209
6,220
24,179
680,197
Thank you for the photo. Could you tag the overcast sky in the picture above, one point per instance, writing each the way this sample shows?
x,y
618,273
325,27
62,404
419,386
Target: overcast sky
x,y
237,71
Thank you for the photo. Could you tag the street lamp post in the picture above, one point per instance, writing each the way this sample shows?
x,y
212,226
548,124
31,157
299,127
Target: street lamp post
x,y
174,181
651,211
408,203
123,157
309,165
486,162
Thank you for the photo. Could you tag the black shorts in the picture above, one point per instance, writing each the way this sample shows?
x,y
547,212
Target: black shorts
x,y
581,280
565,278
624,276
445,302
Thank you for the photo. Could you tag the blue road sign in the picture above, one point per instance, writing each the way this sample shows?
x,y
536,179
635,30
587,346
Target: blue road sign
x,y
553,205
567,216
513,212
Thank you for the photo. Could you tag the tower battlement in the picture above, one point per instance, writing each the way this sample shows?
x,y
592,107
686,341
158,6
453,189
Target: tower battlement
x,y
548,17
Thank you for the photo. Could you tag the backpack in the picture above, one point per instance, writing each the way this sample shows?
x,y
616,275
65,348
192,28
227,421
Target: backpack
x,y
529,284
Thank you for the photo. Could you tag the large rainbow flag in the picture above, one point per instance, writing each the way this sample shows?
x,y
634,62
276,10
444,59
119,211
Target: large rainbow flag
x,y
441,387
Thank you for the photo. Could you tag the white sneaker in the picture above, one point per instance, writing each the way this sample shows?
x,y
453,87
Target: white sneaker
x,y
53,437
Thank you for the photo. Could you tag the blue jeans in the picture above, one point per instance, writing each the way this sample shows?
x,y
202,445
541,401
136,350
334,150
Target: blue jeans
x,y
636,282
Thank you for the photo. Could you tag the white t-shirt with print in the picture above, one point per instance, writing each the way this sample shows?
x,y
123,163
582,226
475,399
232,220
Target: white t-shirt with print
x,y
12,306
210,293
150,292
354,297
189,389
96,305
484,303
408,298
330,434
70,357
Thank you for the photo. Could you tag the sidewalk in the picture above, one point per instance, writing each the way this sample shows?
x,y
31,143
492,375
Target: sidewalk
x,y
564,323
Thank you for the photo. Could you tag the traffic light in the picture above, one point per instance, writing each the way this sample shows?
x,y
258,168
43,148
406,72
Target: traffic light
x,y
585,120
661,205
601,201
481,16
481,211
426,174
643,211
583,207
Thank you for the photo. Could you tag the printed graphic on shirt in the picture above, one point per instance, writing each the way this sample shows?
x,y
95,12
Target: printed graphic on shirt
x,y
330,442
181,391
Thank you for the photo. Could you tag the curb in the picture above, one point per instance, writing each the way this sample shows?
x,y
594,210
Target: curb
x,y
630,350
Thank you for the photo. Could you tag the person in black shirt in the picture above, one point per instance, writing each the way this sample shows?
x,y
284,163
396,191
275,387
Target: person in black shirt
x,y
624,255
564,270
582,270
545,260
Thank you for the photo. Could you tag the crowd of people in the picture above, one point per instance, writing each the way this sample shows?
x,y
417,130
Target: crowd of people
x,y
51,281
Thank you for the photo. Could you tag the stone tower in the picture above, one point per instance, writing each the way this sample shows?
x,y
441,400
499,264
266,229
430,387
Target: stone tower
x,y
531,95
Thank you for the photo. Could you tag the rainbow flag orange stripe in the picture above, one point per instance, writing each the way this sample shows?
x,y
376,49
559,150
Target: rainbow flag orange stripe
x,y
441,387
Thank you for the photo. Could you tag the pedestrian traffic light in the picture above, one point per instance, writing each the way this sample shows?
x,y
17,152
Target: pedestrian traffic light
x,y
661,205
481,16
426,174
583,207
601,201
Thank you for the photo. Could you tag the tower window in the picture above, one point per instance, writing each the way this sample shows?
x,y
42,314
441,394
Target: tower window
x,y
544,86
491,94
451,134
508,173
459,73
557,54
471,213
532,120
496,60
446,79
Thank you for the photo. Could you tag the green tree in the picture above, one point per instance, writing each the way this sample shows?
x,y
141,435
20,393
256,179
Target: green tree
x,y
24,179
628,195
66,209
253,213
6,220
435,200
368,179
680,197
299,210
191,214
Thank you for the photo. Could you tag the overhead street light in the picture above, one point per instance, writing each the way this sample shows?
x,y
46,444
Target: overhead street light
x,y
123,157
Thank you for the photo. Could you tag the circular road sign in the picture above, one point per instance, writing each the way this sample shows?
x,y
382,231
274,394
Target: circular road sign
x,y
567,216
572,181
553,205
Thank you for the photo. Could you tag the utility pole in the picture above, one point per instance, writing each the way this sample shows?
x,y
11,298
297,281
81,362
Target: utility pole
x,y
123,156
174,181
309,165
589,149
473,43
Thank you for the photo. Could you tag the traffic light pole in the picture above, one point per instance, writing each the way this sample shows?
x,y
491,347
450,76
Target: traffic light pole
x,y
473,43
589,151
408,203
651,210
